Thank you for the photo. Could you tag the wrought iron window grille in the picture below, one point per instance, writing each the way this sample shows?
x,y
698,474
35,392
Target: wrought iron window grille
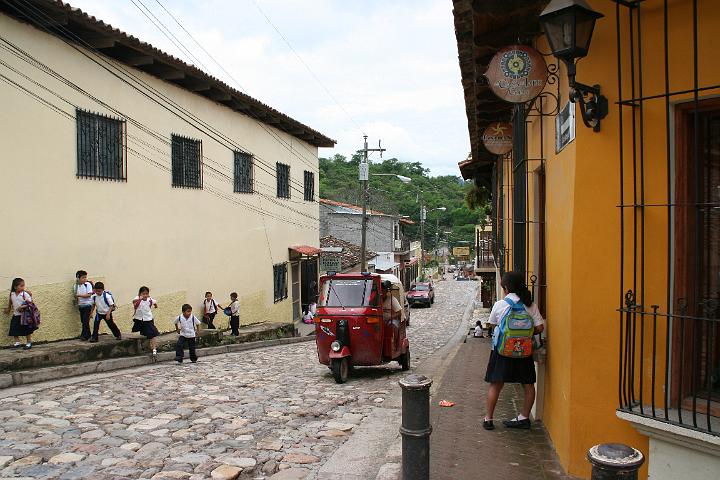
x,y
243,180
282,173
280,283
309,186
101,146
187,164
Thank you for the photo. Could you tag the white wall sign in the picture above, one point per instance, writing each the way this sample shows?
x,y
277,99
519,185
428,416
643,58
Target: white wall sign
x,y
565,126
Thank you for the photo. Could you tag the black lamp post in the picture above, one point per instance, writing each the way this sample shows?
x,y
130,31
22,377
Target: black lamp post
x,y
569,26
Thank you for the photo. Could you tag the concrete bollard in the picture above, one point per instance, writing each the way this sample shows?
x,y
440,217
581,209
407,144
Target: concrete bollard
x,y
416,428
614,461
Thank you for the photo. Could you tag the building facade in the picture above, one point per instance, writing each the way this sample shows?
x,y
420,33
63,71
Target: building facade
x,y
619,225
128,163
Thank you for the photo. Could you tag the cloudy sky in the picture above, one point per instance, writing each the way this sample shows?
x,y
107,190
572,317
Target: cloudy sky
x,y
390,64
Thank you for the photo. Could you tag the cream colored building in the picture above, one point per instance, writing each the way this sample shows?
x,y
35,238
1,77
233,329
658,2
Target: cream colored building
x,y
86,102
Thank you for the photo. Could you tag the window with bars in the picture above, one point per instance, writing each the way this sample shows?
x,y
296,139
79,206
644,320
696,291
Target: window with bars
x,y
282,172
280,282
101,151
186,162
309,185
243,173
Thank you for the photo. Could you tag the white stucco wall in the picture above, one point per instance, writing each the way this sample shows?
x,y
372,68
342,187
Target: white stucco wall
x,y
179,242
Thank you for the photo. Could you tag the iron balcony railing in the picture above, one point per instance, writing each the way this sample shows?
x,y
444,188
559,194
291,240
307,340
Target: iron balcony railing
x,y
669,367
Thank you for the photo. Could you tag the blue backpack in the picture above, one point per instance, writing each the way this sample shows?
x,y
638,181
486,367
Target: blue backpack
x,y
513,337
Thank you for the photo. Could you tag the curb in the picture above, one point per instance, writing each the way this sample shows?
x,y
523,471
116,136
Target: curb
x,y
16,379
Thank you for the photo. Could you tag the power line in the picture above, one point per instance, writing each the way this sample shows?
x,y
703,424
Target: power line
x,y
317,79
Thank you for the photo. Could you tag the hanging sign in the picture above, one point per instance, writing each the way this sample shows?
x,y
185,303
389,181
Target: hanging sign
x,y
330,264
517,73
565,126
498,138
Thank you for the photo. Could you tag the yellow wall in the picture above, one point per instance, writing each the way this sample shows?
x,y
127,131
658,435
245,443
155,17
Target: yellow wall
x,y
583,229
179,242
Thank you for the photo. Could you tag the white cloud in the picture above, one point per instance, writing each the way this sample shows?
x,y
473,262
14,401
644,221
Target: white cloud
x,y
391,65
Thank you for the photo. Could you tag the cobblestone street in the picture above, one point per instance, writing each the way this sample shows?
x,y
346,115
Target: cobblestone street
x,y
273,412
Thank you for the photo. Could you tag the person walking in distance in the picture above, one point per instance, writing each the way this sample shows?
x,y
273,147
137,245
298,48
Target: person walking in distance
x,y
104,305
516,319
144,304
19,297
83,290
186,326
210,309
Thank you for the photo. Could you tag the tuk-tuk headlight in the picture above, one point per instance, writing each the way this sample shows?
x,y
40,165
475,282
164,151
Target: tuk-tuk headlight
x,y
335,346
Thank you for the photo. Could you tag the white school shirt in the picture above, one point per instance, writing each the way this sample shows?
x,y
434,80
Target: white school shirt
x,y
84,289
187,325
391,305
209,306
235,308
18,301
103,302
501,308
144,310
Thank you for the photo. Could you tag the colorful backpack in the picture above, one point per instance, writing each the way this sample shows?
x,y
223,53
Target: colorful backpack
x,y
514,334
30,315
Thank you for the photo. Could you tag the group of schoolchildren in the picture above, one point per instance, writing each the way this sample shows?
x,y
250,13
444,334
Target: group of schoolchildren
x,y
95,302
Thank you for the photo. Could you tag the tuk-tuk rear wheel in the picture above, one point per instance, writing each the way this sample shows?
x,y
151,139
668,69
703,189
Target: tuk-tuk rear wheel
x,y
340,369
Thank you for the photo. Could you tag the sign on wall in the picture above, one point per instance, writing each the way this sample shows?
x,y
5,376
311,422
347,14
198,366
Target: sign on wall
x,y
565,126
461,251
330,264
498,137
517,73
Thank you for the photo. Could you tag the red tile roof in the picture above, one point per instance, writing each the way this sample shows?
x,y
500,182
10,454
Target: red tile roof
x,y
306,250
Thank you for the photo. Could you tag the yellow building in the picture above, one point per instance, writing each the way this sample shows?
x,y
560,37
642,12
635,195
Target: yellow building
x,y
122,160
619,225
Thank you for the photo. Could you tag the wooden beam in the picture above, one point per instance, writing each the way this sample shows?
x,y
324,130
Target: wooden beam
x,y
219,96
98,41
198,86
139,60
171,75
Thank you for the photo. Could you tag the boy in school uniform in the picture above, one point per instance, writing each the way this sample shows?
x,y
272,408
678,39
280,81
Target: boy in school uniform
x,y
104,305
187,326
234,314
83,290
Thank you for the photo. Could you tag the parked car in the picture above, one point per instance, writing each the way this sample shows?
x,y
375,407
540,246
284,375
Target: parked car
x,y
421,293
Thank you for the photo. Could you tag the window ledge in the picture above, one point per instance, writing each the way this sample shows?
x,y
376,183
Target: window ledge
x,y
667,432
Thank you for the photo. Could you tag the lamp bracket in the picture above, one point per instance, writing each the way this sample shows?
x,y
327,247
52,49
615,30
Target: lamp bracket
x,y
593,108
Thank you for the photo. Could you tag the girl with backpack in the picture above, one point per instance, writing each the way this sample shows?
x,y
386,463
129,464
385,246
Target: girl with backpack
x,y
516,319
17,303
210,309
143,317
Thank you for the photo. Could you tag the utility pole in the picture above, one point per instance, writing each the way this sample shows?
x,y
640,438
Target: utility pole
x,y
423,214
364,176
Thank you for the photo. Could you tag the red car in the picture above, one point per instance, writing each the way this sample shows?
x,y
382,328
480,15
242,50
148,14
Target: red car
x,y
421,293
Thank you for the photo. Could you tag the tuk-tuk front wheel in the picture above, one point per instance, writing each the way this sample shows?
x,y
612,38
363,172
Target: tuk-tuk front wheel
x,y
405,360
340,368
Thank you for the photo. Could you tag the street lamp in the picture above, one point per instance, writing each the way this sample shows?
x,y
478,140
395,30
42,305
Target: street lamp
x,y
402,178
569,26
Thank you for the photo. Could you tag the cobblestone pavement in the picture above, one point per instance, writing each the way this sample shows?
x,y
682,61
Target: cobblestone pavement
x,y
270,413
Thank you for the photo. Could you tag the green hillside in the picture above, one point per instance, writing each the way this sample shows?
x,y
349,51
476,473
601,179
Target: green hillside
x,y
339,181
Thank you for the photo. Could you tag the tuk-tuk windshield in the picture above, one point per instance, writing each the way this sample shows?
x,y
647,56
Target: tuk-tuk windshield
x,y
348,292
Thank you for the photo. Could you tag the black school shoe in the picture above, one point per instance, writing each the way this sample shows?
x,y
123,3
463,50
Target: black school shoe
x,y
488,425
515,423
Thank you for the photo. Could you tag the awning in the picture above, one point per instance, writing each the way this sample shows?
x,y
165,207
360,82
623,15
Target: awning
x,y
306,250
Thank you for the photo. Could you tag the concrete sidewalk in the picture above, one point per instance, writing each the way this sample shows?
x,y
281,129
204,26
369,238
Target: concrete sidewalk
x,y
461,449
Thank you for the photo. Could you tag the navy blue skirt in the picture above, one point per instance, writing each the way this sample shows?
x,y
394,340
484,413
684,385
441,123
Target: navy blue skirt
x,y
148,329
510,370
17,329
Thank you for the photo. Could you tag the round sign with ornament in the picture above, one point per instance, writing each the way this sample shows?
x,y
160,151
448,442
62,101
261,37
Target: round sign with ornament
x,y
498,138
517,73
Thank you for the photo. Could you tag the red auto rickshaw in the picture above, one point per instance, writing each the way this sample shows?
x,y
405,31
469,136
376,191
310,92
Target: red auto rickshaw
x,y
350,330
